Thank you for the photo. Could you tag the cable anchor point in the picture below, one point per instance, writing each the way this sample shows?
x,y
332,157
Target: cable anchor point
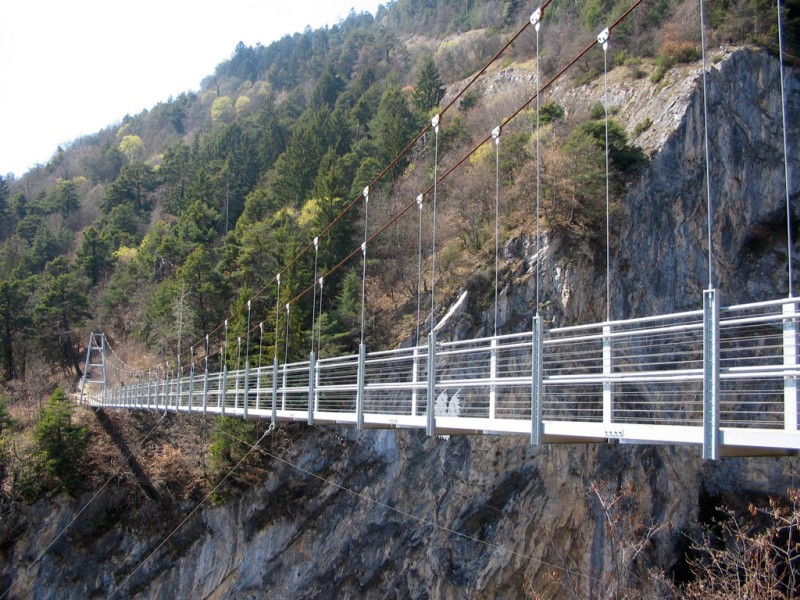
x,y
602,39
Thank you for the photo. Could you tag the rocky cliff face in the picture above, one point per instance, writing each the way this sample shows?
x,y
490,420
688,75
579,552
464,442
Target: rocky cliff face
x,y
380,514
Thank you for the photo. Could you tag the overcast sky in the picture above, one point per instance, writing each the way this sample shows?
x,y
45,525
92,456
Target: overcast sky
x,y
72,68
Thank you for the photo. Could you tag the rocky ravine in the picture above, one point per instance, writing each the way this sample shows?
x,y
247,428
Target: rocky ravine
x,y
391,515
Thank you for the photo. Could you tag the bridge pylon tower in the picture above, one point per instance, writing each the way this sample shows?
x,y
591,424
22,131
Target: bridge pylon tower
x,y
94,370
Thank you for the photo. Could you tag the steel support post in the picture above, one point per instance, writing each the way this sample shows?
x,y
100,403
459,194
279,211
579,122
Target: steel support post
x,y
285,383
360,387
431,423
223,391
493,378
710,374
536,381
205,390
258,388
311,376
608,369
246,387
790,364
414,380
179,385
191,387
275,388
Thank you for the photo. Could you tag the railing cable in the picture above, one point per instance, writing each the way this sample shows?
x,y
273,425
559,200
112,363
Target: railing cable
x,y
602,39
435,125
536,20
709,215
496,136
419,201
785,153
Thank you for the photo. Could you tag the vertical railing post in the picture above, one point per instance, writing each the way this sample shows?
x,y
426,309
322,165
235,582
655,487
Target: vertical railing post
x,y
179,375
608,369
431,423
223,392
246,386
285,382
316,387
205,389
536,381
493,378
258,388
790,407
191,386
414,380
710,375
275,387
311,368
360,388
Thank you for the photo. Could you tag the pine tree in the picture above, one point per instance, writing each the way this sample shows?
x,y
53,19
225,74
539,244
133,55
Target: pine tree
x,y
429,90
61,443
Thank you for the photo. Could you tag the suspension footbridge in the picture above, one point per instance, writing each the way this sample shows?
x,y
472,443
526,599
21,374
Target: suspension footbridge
x,y
723,378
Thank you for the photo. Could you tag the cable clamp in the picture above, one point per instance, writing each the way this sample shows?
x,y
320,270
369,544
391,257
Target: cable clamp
x,y
496,134
602,39
419,201
536,18
435,123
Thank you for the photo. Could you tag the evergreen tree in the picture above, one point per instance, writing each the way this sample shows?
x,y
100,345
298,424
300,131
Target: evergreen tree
x,y
61,443
62,305
94,255
14,320
429,90
392,129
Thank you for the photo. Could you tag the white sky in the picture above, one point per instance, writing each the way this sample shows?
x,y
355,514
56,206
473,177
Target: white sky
x,y
71,68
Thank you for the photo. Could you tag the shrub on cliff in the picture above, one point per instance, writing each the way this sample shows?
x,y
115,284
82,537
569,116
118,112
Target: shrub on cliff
x,y
61,443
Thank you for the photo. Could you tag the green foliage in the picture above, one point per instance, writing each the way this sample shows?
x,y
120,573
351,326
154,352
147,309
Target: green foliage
x,y
94,255
61,443
468,101
341,328
550,112
429,89
133,186
222,110
132,147
392,129
597,111
6,422
103,165
63,199
626,160
62,305
230,440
